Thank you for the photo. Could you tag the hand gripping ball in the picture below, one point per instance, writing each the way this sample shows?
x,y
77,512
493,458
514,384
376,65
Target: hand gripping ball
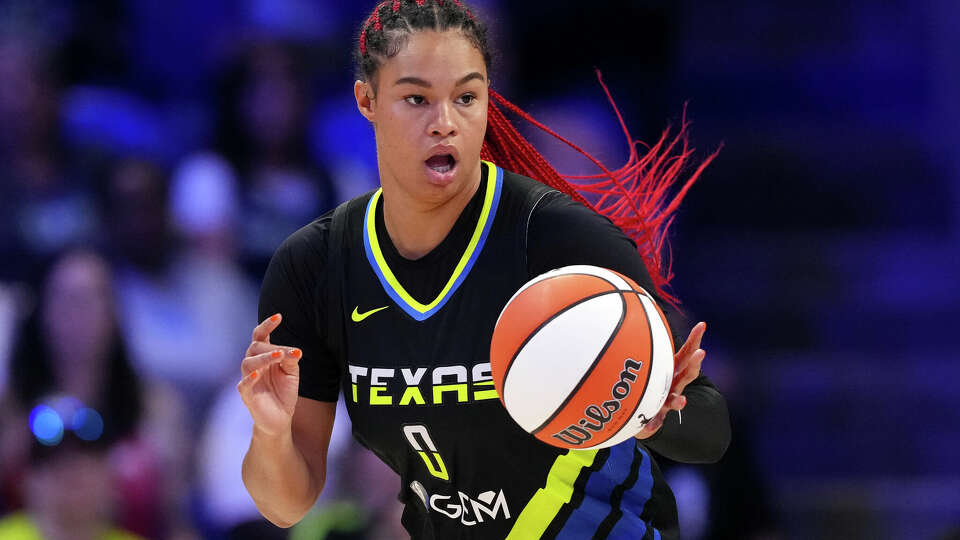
x,y
582,357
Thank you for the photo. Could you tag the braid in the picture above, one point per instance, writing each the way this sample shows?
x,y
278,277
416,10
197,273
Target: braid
x,y
635,196
375,19
385,31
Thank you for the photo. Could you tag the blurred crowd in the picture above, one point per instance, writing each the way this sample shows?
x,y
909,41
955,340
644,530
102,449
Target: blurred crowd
x,y
152,157
151,160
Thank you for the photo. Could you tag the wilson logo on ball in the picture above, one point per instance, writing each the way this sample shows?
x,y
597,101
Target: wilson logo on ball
x,y
574,354
603,413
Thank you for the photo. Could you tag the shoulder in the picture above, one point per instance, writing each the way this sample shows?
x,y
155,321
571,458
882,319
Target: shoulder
x,y
308,244
552,209
564,232
309,241
519,185
557,213
298,265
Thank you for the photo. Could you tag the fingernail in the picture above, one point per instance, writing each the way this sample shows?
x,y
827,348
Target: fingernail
x,y
253,374
296,353
276,354
275,318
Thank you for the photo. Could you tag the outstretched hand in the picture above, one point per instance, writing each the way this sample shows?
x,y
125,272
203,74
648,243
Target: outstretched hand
x,y
270,380
686,368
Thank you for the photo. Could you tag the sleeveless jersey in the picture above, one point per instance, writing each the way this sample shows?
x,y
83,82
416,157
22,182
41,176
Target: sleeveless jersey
x,y
417,385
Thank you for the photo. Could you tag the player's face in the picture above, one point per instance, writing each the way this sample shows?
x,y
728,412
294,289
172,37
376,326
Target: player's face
x,y
429,116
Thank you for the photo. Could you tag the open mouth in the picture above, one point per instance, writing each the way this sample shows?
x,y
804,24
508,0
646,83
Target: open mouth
x,y
441,163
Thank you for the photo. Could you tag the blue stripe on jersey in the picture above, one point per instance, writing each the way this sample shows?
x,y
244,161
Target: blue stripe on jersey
x,y
595,506
634,499
394,289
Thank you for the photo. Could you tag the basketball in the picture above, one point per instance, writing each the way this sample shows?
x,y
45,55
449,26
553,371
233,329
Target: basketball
x,y
582,357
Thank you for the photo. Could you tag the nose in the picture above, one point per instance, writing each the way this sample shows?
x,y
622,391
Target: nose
x,y
442,123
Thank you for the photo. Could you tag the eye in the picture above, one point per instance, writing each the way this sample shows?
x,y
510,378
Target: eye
x,y
467,99
415,100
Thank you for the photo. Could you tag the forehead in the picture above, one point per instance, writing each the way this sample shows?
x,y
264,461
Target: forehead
x,y
437,57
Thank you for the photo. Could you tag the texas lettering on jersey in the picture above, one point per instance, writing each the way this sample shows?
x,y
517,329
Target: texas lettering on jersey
x,y
421,386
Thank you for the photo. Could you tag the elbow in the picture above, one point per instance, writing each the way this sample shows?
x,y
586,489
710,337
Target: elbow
x,y
715,452
284,511
717,448
282,524
712,448
287,519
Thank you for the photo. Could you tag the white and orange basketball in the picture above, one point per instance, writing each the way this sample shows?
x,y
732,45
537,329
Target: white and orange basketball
x,y
582,357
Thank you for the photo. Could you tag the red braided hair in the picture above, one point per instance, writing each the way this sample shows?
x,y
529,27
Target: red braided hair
x,y
634,197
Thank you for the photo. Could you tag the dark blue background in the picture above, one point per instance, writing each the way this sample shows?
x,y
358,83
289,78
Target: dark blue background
x,y
822,246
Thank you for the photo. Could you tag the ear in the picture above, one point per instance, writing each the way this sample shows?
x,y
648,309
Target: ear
x,y
362,92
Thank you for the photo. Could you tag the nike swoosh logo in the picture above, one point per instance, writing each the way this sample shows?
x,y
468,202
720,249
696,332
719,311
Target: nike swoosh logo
x,y
357,316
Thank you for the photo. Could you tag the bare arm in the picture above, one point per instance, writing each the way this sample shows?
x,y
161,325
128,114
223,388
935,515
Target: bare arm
x,y
285,467
285,473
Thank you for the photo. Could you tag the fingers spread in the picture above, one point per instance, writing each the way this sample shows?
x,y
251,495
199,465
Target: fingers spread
x,y
262,330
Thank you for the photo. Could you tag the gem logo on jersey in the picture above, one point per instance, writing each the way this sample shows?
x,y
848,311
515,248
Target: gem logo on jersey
x,y
469,511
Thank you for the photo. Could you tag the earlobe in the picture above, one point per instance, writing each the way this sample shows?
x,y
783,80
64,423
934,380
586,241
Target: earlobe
x,y
361,91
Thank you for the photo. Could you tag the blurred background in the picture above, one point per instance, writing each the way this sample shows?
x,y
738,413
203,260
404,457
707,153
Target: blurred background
x,y
153,155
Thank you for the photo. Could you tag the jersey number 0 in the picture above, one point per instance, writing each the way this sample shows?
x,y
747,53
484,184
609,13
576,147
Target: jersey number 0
x,y
421,442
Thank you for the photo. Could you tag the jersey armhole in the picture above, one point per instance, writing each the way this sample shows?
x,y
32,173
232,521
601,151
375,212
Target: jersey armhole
x,y
336,248
533,200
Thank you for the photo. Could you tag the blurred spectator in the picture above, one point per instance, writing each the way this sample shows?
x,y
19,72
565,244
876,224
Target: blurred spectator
x,y
136,204
187,308
68,493
43,207
227,505
69,345
263,132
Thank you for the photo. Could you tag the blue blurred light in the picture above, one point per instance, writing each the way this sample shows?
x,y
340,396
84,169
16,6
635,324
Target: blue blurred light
x,y
87,424
46,424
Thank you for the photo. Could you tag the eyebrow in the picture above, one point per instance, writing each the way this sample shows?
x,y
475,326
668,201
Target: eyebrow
x,y
420,82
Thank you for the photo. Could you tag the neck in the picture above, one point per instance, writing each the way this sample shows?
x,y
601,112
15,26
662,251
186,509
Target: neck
x,y
417,227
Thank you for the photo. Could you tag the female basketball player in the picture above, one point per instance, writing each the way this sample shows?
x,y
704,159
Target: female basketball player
x,y
392,300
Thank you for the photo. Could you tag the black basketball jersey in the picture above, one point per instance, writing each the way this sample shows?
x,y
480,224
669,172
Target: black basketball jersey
x,y
414,372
